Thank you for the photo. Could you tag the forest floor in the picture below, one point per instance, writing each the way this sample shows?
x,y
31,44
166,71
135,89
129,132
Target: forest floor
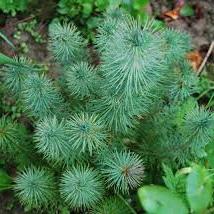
x,y
199,26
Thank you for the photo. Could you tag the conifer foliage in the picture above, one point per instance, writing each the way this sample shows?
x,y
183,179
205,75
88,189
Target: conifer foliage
x,y
35,187
8,134
123,170
81,187
82,79
40,97
52,139
66,43
99,129
86,132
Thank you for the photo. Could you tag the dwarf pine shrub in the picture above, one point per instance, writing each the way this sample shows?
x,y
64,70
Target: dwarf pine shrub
x,y
101,130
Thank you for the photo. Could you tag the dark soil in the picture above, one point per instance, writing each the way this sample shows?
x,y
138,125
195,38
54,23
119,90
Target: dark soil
x,y
8,205
199,26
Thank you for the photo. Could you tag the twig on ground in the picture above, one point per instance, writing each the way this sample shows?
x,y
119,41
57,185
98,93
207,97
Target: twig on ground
x,y
205,59
25,19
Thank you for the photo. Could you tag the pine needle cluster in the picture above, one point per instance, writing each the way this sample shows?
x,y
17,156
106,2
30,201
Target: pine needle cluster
x,y
40,97
35,187
10,135
66,43
52,139
82,79
81,187
123,170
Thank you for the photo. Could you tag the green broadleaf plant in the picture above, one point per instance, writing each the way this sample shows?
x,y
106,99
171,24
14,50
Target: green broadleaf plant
x,y
5,181
12,6
199,189
159,200
189,190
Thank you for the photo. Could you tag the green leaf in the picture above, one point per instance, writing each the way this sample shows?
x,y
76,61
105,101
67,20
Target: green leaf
x,y
6,40
187,106
93,22
175,182
6,60
187,10
210,154
11,6
139,4
62,10
199,189
160,200
5,180
101,4
65,210
87,9
158,24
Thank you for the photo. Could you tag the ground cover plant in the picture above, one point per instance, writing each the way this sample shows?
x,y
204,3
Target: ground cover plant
x,y
13,6
87,13
102,129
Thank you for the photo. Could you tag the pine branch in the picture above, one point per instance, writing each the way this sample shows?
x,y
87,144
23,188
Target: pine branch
x,y
118,112
52,139
201,123
16,74
177,44
82,79
81,187
112,204
134,58
40,97
86,133
184,82
34,187
66,43
122,170
11,136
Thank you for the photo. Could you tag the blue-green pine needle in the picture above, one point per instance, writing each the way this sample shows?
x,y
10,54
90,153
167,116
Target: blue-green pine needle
x,y
123,170
35,187
81,187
